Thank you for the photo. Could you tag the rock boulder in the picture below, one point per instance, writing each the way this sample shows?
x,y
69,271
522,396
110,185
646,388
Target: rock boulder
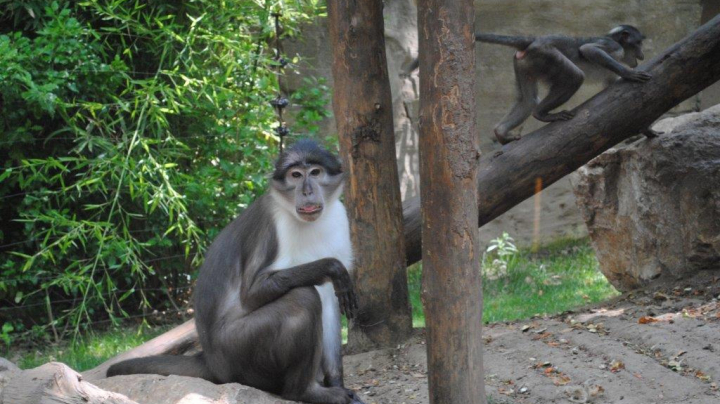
x,y
653,208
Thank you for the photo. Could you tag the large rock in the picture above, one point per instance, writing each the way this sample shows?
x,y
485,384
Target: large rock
x,y
155,389
653,209
53,383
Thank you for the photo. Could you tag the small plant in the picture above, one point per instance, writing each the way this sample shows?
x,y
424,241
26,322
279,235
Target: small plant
x,y
5,334
312,100
498,255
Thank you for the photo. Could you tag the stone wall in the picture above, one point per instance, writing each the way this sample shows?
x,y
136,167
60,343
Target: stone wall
x,y
663,21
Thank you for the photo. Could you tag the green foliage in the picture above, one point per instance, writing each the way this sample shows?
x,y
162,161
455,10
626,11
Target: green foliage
x,y
132,133
562,276
498,256
312,98
7,328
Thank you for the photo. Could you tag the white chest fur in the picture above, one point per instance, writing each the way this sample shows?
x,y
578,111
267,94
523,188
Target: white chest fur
x,y
303,242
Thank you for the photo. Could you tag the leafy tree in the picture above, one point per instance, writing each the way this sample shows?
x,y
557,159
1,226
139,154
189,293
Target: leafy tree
x,y
132,132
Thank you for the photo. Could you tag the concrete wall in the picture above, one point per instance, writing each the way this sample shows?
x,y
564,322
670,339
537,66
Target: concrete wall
x,y
663,21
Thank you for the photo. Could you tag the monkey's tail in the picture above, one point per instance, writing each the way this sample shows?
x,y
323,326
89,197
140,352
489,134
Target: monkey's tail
x,y
193,366
517,42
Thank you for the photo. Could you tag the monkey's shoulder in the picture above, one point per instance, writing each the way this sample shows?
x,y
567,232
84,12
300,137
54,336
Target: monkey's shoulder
x,y
251,231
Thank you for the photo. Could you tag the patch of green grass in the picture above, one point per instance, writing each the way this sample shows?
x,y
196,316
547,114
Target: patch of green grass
x,y
90,350
560,277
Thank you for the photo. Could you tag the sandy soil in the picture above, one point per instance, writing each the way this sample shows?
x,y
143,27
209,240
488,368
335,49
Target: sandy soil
x,y
660,345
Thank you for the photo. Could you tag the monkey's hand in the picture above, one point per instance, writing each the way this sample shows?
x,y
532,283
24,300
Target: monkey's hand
x,y
344,289
637,75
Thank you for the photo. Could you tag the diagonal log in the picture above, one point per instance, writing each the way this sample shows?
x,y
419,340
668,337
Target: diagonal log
x,y
551,152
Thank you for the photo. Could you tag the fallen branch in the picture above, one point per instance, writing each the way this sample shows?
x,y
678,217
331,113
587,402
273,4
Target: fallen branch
x,y
551,152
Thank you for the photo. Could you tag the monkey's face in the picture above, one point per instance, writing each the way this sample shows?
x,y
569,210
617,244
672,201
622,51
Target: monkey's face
x,y
305,190
631,40
633,53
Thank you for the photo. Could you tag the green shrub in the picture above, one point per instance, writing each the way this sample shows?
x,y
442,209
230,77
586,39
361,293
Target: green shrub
x,y
132,132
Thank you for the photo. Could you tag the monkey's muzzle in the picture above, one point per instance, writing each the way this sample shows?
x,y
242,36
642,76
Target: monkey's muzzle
x,y
309,209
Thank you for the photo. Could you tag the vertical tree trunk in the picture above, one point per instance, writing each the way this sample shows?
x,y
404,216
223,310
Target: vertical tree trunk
x,y
449,154
363,111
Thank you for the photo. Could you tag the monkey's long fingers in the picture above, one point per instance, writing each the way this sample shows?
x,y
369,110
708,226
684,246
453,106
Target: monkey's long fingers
x,y
639,76
344,305
351,304
354,300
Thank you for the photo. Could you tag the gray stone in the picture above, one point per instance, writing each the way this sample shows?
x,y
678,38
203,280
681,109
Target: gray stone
x,y
155,389
7,366
653,209
53,383
56,383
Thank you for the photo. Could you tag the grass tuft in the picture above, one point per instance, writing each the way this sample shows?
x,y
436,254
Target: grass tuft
x,y
561,276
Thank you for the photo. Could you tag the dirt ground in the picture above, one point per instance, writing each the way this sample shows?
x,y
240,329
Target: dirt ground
x,y
660,345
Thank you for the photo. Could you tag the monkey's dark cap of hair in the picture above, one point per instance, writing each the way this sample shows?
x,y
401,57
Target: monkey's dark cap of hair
x,y
306,152
625,27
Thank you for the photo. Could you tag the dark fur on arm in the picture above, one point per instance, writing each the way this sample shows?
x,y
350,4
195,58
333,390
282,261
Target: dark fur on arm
x,y
269,285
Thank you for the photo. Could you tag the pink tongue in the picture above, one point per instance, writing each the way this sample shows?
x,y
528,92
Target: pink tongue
x,y
309,209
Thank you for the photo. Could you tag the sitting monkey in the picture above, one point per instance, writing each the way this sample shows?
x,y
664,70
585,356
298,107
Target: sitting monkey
x,y
270,292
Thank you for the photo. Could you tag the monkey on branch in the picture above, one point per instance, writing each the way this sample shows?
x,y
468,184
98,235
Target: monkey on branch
x,y
563,63
270,292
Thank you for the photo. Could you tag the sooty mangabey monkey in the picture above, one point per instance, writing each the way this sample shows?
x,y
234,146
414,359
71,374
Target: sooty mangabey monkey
x,y
564,63
269,295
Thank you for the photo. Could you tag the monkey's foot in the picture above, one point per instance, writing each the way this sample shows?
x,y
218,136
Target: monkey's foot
x,y
355,398
651,134
505,138
558,116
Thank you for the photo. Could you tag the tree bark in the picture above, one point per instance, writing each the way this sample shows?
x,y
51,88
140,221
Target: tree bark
x,y
362,105
451,277
613,115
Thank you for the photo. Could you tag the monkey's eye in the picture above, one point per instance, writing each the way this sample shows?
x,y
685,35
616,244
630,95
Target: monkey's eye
x,y
315,172
296,174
